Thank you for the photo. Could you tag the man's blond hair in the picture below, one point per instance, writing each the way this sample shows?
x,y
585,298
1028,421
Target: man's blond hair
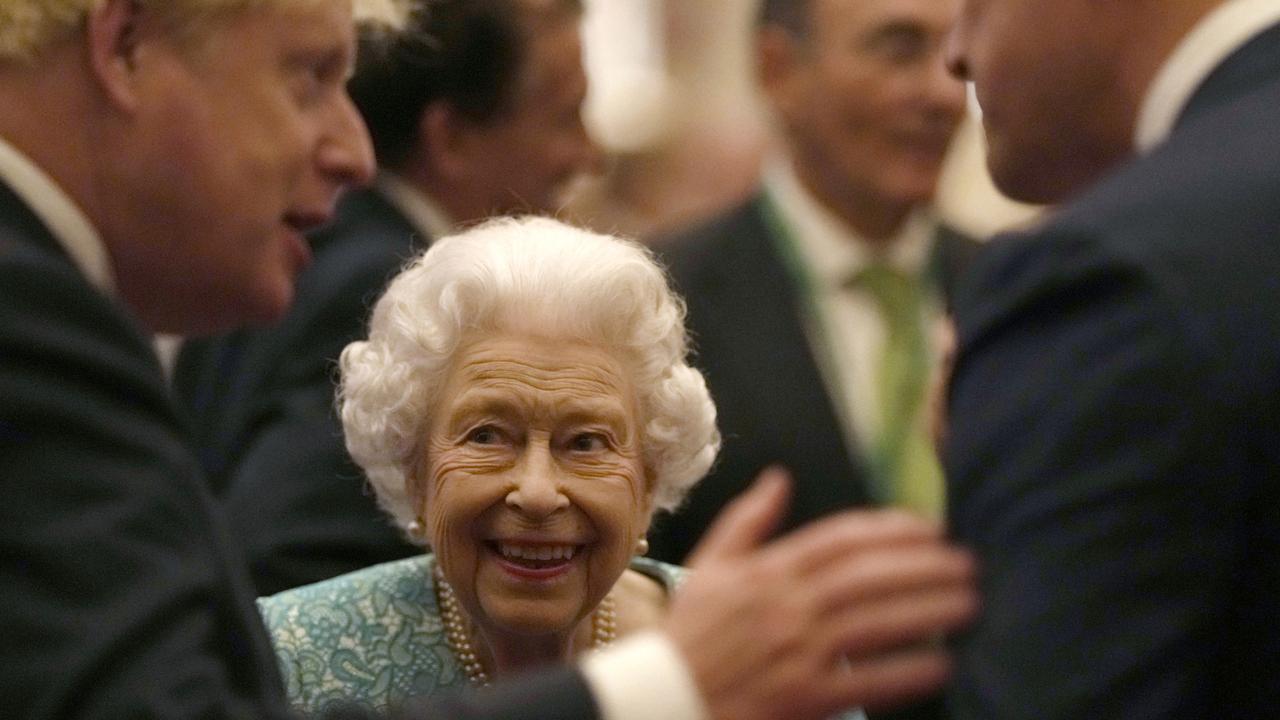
x,y
28,27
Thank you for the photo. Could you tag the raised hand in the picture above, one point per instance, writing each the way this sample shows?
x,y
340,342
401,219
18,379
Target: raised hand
x,y
843,612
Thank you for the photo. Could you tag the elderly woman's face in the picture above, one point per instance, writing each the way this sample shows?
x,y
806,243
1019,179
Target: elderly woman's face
x,y
532,482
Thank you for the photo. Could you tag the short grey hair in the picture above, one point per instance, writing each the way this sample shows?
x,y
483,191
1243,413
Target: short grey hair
x,y
534,275
29,27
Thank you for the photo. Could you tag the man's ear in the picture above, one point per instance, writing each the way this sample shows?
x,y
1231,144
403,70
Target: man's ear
x,y
444,137
114,29
778,62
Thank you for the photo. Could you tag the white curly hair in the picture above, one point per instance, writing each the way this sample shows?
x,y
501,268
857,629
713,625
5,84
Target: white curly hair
x,y
529,275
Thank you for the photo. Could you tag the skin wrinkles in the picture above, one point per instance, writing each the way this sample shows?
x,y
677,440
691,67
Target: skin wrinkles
x,y
533,441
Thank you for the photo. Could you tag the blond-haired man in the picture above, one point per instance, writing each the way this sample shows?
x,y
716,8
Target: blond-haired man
x,y
159,162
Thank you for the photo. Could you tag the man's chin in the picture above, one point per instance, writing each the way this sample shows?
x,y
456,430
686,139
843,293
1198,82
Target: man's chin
x,y
268,309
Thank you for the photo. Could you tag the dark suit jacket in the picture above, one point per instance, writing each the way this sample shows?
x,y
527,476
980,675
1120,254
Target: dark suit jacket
x,y
262,403
120,592
746,321
1115,452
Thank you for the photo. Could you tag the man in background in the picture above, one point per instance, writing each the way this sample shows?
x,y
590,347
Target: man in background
x,y
1115,459
473,111
812,305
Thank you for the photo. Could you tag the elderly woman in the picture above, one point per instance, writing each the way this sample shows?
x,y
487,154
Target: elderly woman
x,y
522,406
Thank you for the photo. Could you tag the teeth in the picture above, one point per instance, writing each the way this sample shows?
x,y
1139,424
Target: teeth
x,y
539,552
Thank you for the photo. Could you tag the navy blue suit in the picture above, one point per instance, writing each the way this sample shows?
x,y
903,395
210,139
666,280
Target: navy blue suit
x,y
121,593
1115,454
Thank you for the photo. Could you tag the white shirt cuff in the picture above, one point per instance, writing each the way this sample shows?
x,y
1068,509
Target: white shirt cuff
x,y
643,677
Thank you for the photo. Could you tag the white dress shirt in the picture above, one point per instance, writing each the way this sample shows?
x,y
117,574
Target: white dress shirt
x,y
1221,32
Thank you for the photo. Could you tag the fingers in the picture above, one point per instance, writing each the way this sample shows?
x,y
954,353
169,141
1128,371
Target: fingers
x,y
835,539
895,596
886,682
892,571
746,522
901,620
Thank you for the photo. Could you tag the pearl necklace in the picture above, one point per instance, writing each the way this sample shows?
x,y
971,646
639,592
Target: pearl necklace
x,y
604,629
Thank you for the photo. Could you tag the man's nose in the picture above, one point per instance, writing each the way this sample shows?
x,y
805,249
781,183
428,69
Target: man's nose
x,y
536,491
346,153
953,52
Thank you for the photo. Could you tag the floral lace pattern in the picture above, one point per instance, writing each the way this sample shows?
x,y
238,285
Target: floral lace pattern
x,y
374,637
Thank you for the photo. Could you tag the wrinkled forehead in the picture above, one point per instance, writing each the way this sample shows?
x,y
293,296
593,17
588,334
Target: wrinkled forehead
x,y
547,362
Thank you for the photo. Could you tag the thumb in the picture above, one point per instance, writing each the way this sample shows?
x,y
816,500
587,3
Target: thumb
x,y
747,521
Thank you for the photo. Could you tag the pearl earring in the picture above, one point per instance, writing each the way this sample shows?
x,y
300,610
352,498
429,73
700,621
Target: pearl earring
x,y
642,546
415,530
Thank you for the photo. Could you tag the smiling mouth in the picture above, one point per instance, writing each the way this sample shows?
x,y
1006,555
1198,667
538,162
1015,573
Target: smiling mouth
x,y
535,557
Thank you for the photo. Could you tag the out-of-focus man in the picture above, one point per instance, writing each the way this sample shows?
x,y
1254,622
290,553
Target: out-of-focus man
x,y
1114,455
812,305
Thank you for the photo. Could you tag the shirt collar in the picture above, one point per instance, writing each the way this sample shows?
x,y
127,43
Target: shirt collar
x,y
421,209
833,252
1224,30
65,220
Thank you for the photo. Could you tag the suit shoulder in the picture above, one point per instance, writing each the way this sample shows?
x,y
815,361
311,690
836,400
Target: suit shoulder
x,y
702,249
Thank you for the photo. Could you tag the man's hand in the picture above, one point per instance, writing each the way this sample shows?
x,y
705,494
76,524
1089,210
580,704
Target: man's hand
x,y
842,612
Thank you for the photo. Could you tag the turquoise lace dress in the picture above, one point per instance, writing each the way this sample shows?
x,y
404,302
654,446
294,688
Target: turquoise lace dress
x,y
374,636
